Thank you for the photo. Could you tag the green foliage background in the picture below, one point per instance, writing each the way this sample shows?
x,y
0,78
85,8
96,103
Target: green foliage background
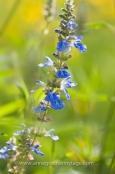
x,y
81,125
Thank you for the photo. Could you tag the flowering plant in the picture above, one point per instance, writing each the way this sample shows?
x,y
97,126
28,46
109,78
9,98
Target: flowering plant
x,y
21,149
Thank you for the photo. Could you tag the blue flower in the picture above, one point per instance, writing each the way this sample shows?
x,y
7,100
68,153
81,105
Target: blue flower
x,y
34,149
22,131
40,108
67,94
4,156
51,96
51,135
9,147
4,149
8,151
48,63
71,25
54,99
63,46
81,47
66,83
62,73
58,104
18,133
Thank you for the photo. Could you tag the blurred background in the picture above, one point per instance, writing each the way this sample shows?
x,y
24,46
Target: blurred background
x,y
86,124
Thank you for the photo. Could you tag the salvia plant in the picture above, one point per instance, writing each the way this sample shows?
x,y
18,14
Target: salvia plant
x,y
25,141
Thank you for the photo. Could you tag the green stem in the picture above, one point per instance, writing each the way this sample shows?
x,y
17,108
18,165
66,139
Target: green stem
x,y
9,16
61,61
107,122
39,127
110,167
52,156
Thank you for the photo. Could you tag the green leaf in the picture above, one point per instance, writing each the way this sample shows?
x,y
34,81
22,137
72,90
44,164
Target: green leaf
x,y
88,97
98,25
11,107
6,72
23,89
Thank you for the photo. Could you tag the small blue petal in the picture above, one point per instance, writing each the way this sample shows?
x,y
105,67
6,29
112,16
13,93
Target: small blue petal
x,y
51,97
66,83
67,95
11,146
82,48
40,108
34,149
17,133
70,84
78,38
43,64
63,46
4,156
57,104
37,109
36,146
4,149
71,25
51,135
62,73
38,152
49,60
54,137
48,63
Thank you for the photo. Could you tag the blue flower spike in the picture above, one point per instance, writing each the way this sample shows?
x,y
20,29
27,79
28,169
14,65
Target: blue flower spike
x,y
59,80
40,108
49,133
62,73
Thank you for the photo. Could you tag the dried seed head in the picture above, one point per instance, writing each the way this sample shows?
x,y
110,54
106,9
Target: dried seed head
x,y
50,10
